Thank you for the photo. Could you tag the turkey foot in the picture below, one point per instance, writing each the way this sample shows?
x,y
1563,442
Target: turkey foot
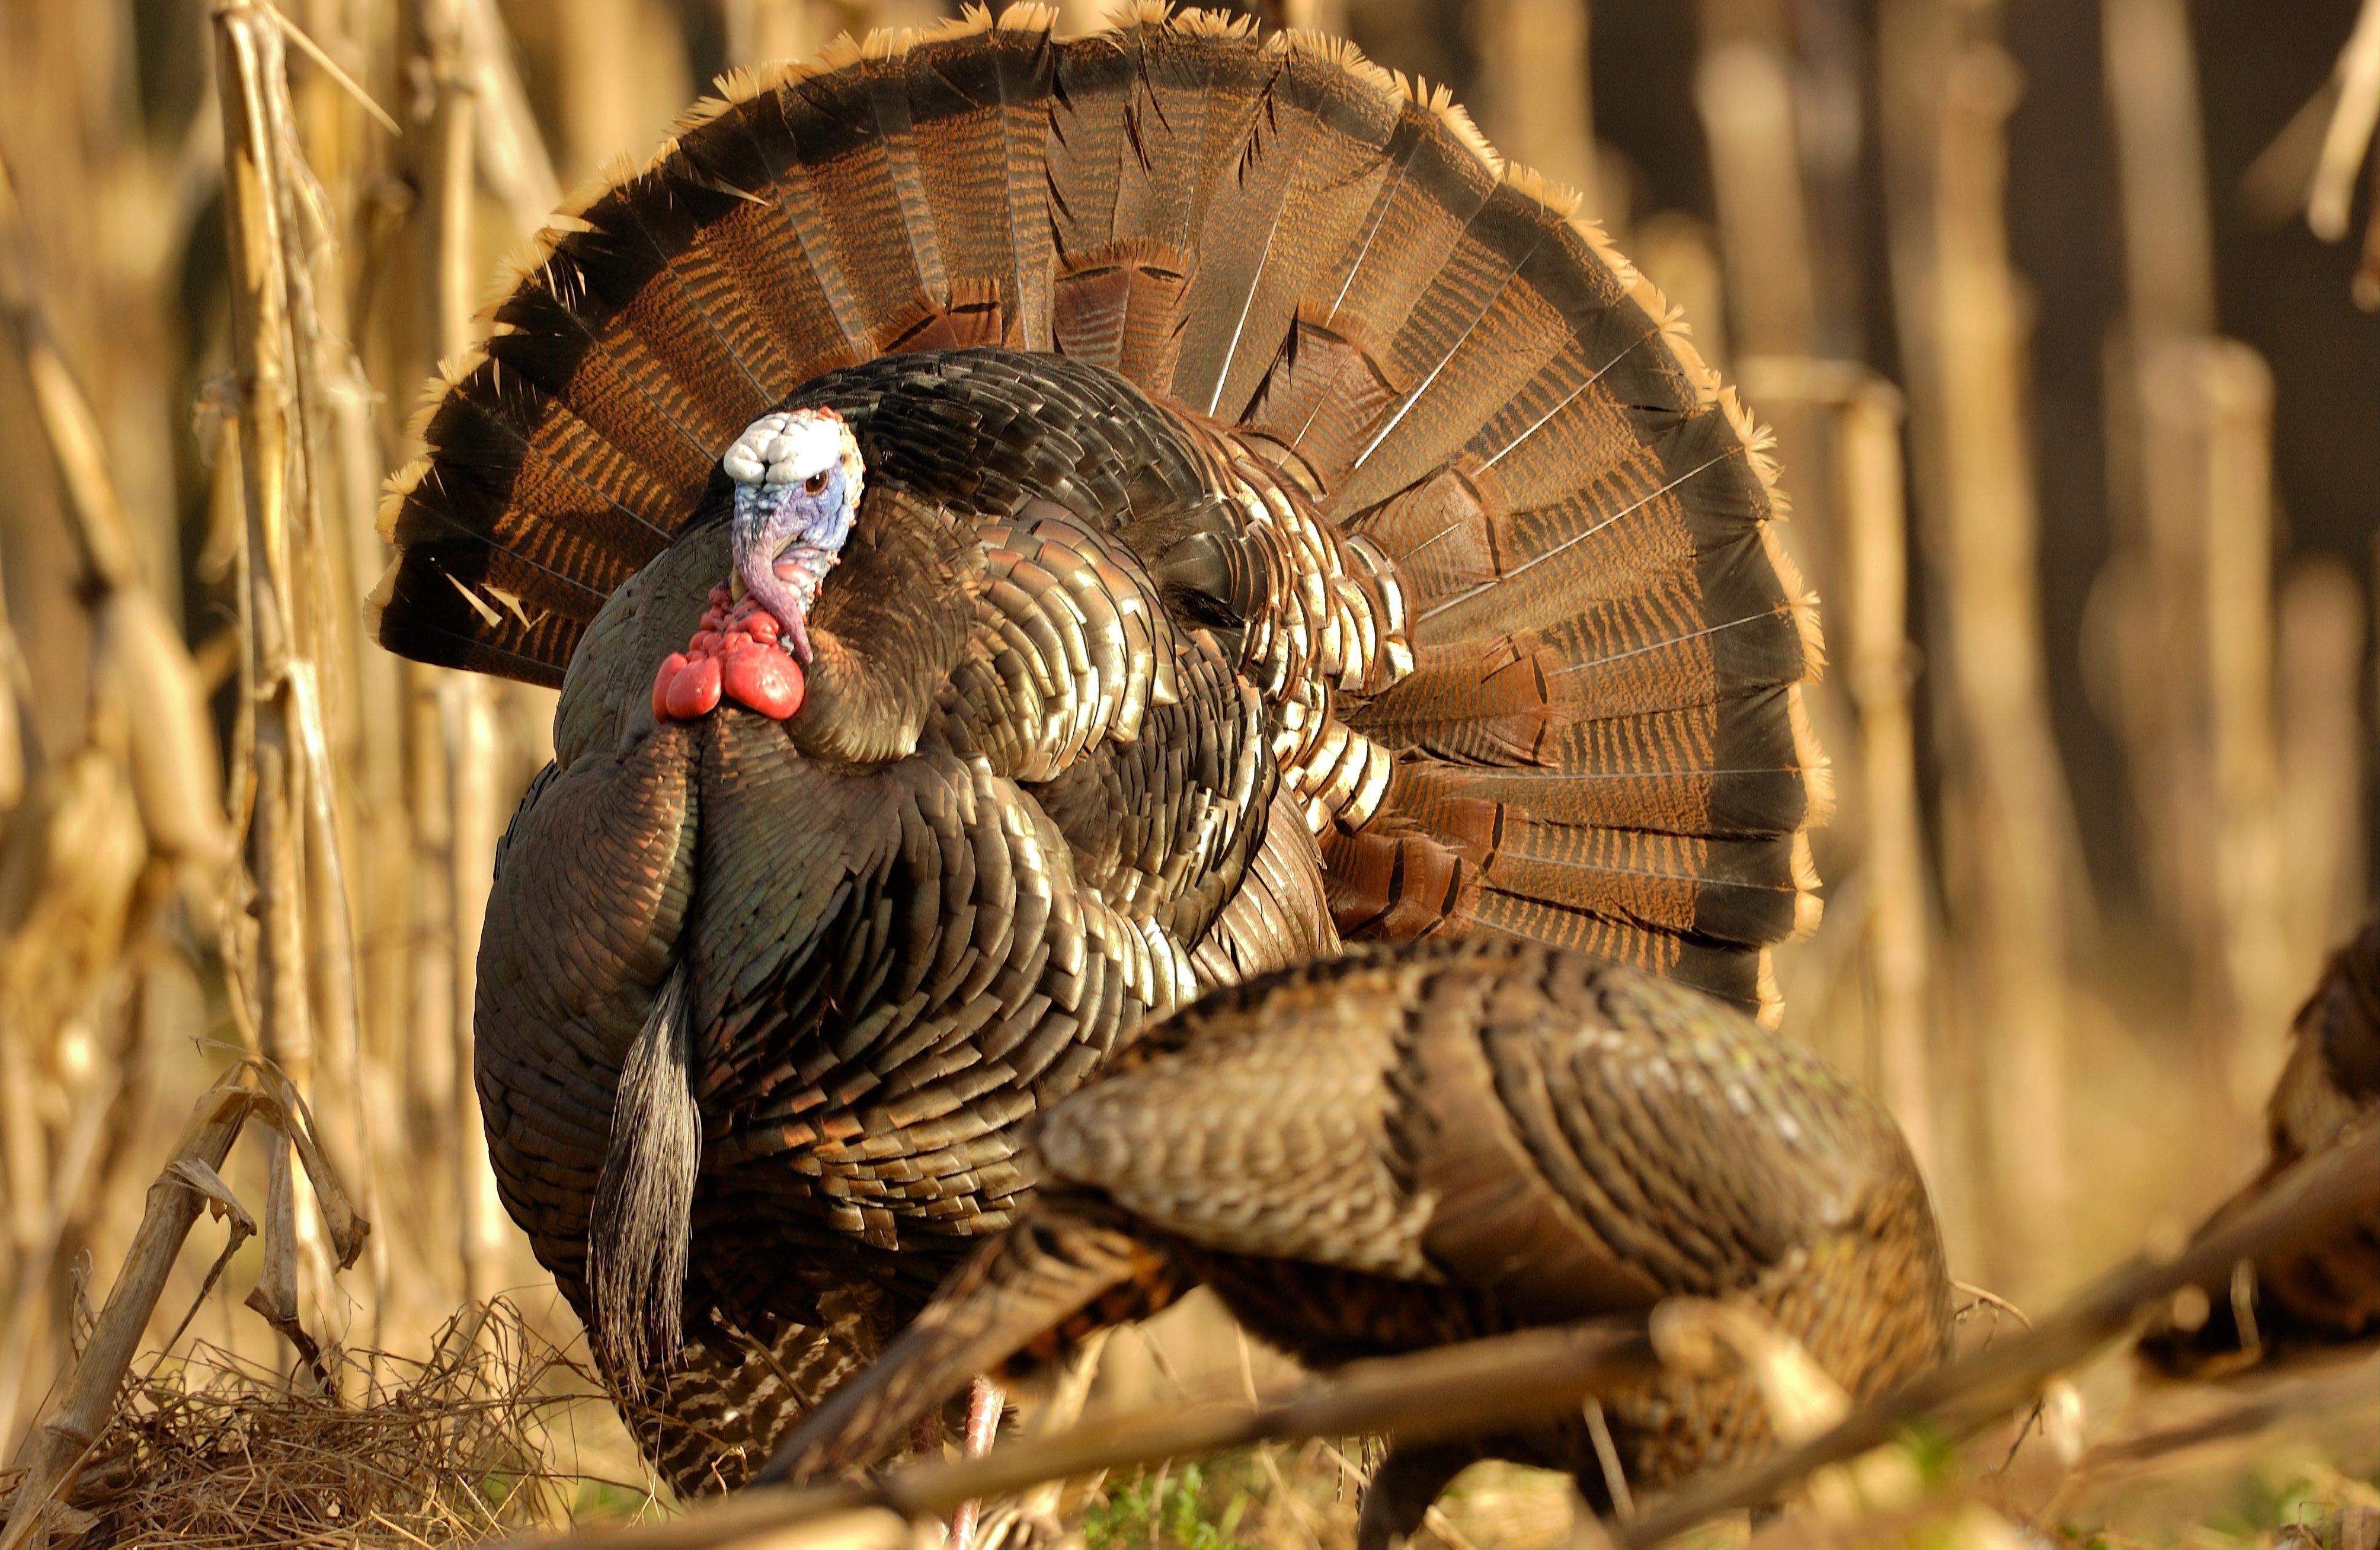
x,y
1033,1522
983,1418
736,653
1402,1490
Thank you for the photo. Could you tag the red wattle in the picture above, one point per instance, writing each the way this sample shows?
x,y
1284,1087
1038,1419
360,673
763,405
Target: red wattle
x,y
694,690
762,677
661,682
736,654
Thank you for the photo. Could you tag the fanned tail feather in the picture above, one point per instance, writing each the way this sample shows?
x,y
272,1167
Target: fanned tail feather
x,y
1602,741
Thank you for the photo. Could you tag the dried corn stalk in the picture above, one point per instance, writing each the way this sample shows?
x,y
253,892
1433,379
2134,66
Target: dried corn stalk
x,y
2012,859
278,351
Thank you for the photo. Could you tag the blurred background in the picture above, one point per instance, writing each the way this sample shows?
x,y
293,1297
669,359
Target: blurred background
x,y
2060,310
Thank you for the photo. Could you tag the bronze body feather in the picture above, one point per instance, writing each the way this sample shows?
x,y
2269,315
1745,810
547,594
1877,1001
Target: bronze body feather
x,y
1282,524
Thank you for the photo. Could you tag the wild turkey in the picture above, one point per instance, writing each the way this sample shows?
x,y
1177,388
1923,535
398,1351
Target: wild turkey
x,y
1415,1145
1226,512
2328,1291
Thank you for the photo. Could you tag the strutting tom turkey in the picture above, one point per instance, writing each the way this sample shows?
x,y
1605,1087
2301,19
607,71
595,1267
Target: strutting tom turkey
x,y
1404,1147
1028,529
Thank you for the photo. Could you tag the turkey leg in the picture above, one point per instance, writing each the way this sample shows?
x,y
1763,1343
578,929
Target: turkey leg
x,y
1034,1520
983,1418
1402,1489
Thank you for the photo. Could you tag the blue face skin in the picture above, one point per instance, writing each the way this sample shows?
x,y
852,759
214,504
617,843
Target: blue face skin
x,y
804,523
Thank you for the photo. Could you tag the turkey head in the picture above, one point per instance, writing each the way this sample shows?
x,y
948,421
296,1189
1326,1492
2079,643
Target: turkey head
x,y
886,636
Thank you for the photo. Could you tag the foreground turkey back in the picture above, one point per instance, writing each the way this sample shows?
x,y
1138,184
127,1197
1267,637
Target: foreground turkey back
x,y
1412,1147
1282,524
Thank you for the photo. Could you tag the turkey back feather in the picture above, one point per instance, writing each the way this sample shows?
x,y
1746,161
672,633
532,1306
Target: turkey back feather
x,y
1601,742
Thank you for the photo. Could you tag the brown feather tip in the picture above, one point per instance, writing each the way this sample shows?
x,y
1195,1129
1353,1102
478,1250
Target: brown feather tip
x,y
732,88
1808,906
569,218
1623,269
1801,602
526,257
1440,104
751,82
973,21
702,111
445,376
612,174
400,484
397,486
1559,198
376,601
1759,440
1333,52
882,44
1677,331
843,50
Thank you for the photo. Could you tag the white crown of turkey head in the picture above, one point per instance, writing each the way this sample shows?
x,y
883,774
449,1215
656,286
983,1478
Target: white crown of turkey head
x,y
797,477
793,446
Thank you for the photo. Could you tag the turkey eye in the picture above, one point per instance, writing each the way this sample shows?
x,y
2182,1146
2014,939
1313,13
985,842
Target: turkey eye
x,y
816,483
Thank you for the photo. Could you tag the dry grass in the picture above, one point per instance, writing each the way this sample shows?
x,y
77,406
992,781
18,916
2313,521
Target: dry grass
x,y
209,1449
